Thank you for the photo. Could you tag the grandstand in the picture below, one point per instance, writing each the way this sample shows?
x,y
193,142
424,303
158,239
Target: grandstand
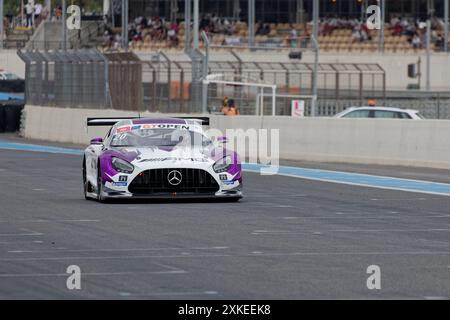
x,y
342,24
159,24
284,11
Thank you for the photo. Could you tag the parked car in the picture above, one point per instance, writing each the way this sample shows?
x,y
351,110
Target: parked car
x,y
379,113
5,75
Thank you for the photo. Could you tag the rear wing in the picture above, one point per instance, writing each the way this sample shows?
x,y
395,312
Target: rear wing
x,y
106,122
109,122
203,120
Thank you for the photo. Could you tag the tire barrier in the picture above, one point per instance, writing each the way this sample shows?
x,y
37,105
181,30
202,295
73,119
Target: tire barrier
x,y
10,113
12,86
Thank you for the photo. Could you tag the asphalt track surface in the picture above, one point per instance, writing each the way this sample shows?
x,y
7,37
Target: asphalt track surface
x,y
289,238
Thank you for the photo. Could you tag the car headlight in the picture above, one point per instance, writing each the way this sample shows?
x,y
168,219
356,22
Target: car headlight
x,y
223,164
122,165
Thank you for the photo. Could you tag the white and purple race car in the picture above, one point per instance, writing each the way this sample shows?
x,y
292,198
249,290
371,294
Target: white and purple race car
x,y
159,158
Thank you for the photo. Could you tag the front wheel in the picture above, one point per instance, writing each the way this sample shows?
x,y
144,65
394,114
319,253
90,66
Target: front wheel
x,y
100,197
85,182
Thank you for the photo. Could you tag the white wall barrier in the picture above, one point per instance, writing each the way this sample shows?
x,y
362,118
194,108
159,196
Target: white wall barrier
x,y
423,143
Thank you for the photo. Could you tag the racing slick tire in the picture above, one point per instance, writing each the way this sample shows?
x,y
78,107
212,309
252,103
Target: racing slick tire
x,y
85,182
100,197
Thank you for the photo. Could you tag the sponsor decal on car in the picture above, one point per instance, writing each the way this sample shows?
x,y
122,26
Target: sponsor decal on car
x,y
174,159
228,182
123,129
165,126
120,184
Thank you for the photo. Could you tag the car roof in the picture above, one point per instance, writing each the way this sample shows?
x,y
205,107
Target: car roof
x,y
382,109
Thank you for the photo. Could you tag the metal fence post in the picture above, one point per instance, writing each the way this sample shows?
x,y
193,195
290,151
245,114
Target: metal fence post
x,y
1,25
446,8
182,91
251,23
169,79
315,76
107,93
64,26
187,25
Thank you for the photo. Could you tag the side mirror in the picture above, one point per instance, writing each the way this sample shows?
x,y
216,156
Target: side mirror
x,y
97,141
222,139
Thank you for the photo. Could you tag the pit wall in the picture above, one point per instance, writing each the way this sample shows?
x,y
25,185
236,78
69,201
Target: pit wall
x,y
422,143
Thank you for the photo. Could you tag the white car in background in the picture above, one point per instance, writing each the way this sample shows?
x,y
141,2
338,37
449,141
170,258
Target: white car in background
x,y
379,113
5,75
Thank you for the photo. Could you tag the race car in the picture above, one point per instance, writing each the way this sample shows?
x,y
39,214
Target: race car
x,y
159,158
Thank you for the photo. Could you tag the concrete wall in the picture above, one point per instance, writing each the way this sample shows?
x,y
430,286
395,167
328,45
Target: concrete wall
x,y
395,142
68,125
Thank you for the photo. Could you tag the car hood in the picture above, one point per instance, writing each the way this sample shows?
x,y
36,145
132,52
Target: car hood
x,y
153,157
141,155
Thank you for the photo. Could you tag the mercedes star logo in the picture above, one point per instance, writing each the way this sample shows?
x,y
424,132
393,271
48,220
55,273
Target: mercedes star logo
x,y
174,177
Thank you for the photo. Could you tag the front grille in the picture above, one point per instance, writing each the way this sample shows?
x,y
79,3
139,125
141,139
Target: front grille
x,y
156,181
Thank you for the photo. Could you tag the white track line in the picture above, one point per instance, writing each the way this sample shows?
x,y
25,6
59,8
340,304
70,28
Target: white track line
x,y
117,250
237,255
84,274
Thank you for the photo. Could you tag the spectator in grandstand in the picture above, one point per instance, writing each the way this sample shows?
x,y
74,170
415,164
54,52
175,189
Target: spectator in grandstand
x,y
416,41
225,102
107,38
263,30
57,13
397,30
293,36
9,19
229,27
230,109
205,22
440,42
172,35
37,12
293,33
258,28
5,23
29,11
356,35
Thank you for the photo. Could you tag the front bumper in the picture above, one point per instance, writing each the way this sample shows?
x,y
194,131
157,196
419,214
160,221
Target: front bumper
x,y
222,194
148,186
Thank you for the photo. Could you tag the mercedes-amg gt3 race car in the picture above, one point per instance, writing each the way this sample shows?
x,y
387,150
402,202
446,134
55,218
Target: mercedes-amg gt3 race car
x,y
159,158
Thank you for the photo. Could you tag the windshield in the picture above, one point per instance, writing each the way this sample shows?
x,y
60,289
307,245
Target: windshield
x,y
157,137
